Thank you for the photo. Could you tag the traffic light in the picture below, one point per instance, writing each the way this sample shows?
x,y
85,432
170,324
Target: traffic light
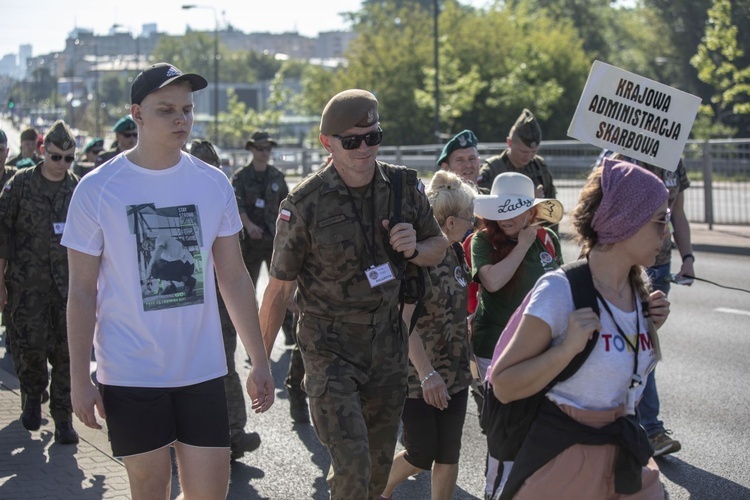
x,y
11,103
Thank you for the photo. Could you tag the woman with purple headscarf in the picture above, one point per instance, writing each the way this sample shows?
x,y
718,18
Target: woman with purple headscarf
x,y
586,441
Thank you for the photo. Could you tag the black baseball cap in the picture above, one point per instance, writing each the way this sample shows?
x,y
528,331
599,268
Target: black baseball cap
x,y
158,76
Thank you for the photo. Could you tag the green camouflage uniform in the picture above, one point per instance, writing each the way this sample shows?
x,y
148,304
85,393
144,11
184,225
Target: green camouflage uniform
x,y
232,384
32,214
353,342
8,172
259,195
442,326
536,170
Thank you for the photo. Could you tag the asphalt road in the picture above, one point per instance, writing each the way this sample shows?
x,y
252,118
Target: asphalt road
x,y
702,382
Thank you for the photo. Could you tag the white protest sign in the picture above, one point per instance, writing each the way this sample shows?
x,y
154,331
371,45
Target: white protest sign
x,y
629,114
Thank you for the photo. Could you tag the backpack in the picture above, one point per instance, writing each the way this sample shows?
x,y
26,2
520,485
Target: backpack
x,y
506,425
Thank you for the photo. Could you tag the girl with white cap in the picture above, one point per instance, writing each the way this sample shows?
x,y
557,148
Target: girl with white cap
x,y
508,254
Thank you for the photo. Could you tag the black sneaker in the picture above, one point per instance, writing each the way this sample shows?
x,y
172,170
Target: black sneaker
x,y
244,442
31,418
65,433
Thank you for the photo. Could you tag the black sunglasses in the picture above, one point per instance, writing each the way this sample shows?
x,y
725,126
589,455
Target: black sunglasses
x,y
264,149
56,157
129,135
354,141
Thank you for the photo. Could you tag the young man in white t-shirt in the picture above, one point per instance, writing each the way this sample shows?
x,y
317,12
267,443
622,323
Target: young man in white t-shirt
x,y
160,352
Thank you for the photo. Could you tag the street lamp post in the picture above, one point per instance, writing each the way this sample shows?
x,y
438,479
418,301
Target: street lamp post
x,y
436,14
216,66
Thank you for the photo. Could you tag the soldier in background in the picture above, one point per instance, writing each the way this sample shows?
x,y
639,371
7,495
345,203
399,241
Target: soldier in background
x,y
523,141
460,156
260,188
28,147
241,442
33,210
340,242
87,162
8,172
126,133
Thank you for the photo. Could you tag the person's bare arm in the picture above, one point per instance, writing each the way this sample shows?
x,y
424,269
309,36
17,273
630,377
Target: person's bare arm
x,y
682,237
83,275
238,293
272,309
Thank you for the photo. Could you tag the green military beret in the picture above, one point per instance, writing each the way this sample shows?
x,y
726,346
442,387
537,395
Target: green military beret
x,y
124,124
347,109
61,136
3,138
462,140
527,129
30,134
96,144
25,163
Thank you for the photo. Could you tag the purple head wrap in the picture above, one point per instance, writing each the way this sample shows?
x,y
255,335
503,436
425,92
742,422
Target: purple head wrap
x,y
630,196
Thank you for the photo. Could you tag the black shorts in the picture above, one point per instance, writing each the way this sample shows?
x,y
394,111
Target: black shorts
x,y
432,435
144,419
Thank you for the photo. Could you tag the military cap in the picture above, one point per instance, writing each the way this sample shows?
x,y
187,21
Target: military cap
x,y
61,136
205,151
3,138
25,163
260,136
96,144
527,129
124,124
347,109
30,134
158,76
462,140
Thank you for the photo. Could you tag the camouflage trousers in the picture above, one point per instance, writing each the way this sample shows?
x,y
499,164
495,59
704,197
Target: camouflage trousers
x,y
296,372
355,376
40,334
234,388
255,253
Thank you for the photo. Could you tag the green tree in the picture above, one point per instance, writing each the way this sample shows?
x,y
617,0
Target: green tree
x,y
716,62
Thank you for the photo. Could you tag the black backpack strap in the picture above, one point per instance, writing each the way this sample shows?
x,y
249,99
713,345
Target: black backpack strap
x,y
584,295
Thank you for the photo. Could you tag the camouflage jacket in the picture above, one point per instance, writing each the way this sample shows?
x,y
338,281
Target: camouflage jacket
x,y
536,170
106,156
259,195
31,225
442,327
320,241
8,172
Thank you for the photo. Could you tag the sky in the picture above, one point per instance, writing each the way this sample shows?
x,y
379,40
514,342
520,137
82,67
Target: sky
x,y
45,24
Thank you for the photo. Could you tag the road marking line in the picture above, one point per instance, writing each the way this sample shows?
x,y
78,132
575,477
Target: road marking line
x,y
732,311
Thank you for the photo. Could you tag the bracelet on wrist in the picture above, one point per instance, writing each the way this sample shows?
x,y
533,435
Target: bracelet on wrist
x,y
413,256
433,372
688,256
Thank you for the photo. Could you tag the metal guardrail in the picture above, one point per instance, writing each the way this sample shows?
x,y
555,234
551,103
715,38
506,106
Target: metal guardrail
x,y
719,171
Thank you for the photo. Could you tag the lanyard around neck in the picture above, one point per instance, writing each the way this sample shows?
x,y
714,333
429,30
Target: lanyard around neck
x,y
635,379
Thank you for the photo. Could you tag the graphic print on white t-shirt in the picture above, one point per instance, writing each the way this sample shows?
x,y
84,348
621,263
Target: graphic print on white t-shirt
x,y
168,242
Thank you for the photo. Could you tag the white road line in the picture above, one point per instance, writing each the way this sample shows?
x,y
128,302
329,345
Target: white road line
x,y
732,311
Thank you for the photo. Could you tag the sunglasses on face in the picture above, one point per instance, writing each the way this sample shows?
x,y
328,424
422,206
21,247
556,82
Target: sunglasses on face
x,y
354,141
129,135
264,149
56,157
666,219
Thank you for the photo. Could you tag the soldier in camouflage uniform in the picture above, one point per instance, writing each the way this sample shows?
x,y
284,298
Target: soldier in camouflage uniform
x,y
126,133
337,239
439,375
241,442
28,148
8,172
33,209
260,188
523,142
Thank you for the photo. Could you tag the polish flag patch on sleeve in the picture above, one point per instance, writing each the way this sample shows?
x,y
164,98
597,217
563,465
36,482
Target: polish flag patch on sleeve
x,y
420,186
285,215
